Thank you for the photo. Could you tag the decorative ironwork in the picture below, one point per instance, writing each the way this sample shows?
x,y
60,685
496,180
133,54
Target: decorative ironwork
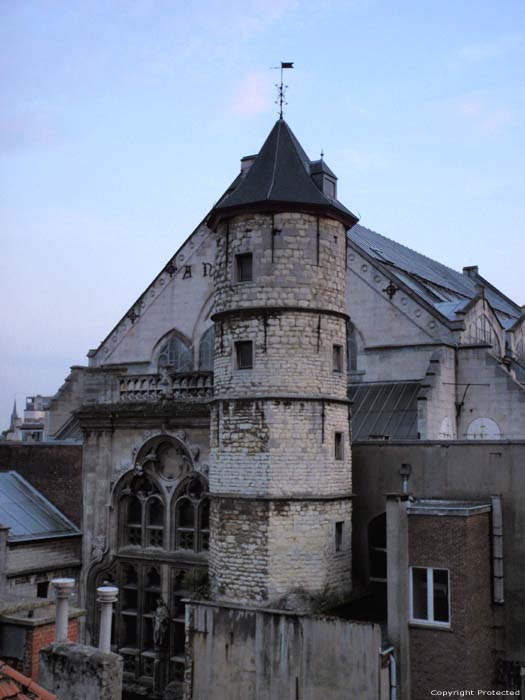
x,y
391,290
133,315
281,88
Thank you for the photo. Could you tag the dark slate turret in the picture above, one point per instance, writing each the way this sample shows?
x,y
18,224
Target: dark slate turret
x,y
282,178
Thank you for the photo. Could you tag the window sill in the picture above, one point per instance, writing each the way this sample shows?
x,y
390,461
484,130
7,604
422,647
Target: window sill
x,y
441,626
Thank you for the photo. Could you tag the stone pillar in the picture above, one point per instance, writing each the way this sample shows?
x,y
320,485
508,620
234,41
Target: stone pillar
x,y
106,596
397,587
63,588
280,459
4,534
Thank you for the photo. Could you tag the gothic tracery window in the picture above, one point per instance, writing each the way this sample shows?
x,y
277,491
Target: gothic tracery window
x,y
176,354
192,518
141,515
351,348
206,350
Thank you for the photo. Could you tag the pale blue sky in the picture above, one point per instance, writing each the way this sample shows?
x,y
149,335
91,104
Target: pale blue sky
x,y
122,121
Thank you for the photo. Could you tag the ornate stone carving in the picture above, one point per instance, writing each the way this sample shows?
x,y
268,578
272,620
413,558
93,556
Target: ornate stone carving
x,y
98,546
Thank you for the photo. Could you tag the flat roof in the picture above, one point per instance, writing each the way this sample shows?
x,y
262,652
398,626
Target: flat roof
x,y
435,506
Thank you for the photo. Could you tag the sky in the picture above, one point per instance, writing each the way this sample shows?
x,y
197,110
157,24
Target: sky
x,y
122,122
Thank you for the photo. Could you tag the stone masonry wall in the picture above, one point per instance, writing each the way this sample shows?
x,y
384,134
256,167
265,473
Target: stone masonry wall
x,y
273,426
278,448
302,547
239,536
293,278
293,354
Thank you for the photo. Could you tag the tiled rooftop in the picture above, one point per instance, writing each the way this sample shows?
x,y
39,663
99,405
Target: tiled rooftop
x,y
16,686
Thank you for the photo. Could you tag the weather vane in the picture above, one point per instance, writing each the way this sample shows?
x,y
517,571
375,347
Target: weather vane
x,y
281,88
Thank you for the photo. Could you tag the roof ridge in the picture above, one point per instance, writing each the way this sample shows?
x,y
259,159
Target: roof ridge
x,y
272,182
412,250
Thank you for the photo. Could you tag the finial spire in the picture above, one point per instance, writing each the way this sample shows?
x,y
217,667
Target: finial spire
x,y
281,88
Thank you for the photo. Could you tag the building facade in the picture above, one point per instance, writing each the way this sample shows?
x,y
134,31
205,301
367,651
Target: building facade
x,y
218,416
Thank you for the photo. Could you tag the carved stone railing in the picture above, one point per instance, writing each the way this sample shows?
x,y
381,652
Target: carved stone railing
x,y
183,386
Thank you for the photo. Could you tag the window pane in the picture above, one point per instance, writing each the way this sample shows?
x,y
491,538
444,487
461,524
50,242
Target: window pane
x,y
441,613
338,536
155,512
186,514
244,267
244,354
419,594
337,358
338,446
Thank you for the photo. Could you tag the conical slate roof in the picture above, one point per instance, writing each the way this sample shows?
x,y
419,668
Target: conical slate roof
x,y
280,180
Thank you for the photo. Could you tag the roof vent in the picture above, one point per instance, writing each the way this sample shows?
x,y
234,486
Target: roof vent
x,y
471,271
246,163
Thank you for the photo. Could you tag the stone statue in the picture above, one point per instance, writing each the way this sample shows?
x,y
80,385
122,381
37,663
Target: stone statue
x,y
166,383
161,623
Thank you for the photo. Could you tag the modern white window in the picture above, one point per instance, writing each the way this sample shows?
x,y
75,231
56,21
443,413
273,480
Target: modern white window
x,y
430,596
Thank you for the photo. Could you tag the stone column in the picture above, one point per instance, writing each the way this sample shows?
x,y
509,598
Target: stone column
x,y
106,596
63,588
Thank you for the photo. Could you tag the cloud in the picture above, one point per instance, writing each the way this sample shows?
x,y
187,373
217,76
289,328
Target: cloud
x,y
252,95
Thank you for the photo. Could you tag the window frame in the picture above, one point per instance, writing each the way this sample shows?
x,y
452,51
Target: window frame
x,y
339,446
237,345
339,528
429,621
238,274
337,358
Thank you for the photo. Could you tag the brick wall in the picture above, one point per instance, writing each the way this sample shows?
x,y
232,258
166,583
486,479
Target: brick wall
x,y
54,470
39,637
459,656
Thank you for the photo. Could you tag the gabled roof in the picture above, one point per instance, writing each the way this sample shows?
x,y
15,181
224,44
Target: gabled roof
x,y
280,175
28,514
438,284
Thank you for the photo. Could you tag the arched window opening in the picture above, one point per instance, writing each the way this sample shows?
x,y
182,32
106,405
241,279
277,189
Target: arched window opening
x,y
134,522
155,522
207,350
141,514
351,348
378,564
176,354
185,517
192,516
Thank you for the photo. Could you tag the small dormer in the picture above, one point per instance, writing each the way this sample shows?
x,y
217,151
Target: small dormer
x,y
324,178
246,163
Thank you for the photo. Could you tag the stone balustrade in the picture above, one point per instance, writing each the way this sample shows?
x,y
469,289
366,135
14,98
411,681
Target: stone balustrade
x,y
158,387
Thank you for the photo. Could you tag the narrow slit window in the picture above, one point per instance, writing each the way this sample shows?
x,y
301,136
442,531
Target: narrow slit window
x,y
244,354
337,358
338,446
244,267
339,536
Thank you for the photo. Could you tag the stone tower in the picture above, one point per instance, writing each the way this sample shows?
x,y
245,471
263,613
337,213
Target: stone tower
x,y
280,466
